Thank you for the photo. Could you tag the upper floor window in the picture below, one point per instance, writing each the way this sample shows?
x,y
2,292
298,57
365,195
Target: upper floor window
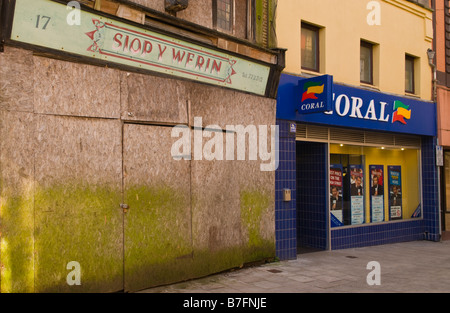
x,y
310,47
366,62
223,14
409,74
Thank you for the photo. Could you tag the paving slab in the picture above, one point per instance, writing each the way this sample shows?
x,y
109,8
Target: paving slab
x,y
408,267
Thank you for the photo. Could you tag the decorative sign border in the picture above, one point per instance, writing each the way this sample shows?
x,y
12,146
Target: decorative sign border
x,y
44,23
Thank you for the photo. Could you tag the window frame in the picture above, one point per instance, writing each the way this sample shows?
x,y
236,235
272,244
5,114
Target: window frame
x,y
366,44
316,31
251,21
386,193
412,59
216,23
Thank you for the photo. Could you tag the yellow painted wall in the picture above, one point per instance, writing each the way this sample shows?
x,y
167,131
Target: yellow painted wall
x,y
405,28
408,160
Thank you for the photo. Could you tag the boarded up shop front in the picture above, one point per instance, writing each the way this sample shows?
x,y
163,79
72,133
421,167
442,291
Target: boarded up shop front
x,y
87,175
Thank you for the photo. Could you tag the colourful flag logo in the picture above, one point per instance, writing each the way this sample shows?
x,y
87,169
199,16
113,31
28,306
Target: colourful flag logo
x,y
312,89
401,111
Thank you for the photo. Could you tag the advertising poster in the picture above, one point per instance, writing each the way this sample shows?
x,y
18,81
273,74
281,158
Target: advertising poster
x,y
356,194
336,200
417,212
395,192
376,193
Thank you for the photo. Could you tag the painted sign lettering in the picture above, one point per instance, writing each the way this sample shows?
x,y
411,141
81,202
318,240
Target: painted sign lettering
x,y
43,23
359,108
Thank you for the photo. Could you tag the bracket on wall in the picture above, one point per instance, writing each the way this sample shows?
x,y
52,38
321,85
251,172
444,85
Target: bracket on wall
x,y
174,6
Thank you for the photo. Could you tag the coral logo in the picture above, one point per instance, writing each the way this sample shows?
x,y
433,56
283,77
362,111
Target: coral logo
x,y
311,90
401,111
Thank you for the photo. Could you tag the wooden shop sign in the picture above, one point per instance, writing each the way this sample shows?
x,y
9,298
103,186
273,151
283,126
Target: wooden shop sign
x,y
44,23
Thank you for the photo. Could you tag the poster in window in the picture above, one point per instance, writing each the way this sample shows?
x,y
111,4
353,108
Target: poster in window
x,y
376,193
357,194
336,200
395,192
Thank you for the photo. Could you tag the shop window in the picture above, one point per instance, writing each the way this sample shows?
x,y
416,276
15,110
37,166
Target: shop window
x,y
373,184
223,15
366,63
310,47
409,74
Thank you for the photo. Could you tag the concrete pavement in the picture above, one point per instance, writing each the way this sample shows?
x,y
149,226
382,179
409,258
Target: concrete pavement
x,y
409,267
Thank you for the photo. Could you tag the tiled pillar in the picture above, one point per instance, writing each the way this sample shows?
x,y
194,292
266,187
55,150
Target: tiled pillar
x,y
285,178
430,189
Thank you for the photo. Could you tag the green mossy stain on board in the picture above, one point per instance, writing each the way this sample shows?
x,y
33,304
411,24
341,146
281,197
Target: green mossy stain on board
x,y
254,204
17,264
82,223
157,235
45,230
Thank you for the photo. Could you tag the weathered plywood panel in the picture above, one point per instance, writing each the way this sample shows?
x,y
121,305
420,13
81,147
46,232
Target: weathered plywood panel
x,y
241,225
234,200
253,188
77,203
158,222
233,212
152,98
16,201
16,83
216,221
257,208
219,106
66,88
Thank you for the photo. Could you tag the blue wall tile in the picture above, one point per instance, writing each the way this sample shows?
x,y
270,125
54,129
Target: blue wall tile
x,y
285,178
307,225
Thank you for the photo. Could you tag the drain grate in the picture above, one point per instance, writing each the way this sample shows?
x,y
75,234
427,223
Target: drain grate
x,y
351,257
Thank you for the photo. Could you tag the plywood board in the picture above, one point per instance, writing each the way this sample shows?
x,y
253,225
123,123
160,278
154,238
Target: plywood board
x,y
77,204
158,247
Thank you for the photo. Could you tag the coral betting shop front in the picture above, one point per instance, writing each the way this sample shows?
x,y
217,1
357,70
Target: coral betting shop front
x,y
360,166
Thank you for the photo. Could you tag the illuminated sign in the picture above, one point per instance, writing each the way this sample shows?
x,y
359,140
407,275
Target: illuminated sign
x,y
314,94
359,108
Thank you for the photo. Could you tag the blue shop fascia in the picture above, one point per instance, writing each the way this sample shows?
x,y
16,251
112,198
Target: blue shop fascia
x,y
357,167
